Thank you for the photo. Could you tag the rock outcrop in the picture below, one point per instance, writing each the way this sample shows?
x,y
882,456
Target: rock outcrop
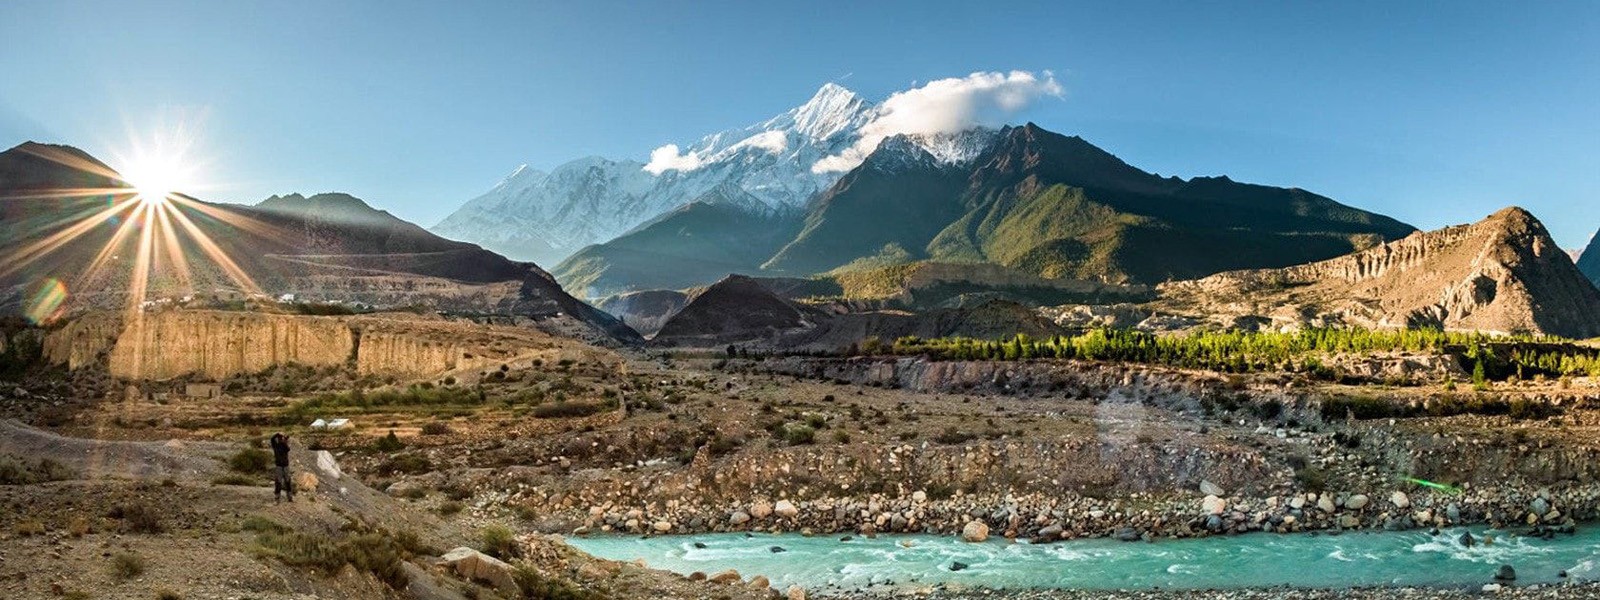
x,y
1502,274
218,344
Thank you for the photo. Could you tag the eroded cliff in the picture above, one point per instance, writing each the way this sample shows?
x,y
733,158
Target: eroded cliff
x,y
218,344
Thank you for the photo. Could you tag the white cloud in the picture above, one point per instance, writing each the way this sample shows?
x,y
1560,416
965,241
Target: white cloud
x,y
669,158
946,106
672,158
774,142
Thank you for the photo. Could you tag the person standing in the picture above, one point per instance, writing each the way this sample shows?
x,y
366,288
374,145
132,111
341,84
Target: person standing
x,y
282,484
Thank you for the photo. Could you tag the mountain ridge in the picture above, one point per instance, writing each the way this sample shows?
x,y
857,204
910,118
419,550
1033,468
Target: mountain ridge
x,y
1501,274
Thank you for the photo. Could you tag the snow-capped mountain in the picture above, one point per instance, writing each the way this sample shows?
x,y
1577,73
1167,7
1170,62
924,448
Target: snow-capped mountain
x,y
546,217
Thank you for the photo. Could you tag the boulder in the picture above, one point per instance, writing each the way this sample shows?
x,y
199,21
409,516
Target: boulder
x,y
473,565
1539,506
1506,573
305,482
726,577
1325,504
760,582
1213,505
1357,501
760,509
1399,499
328,466
662,526
738,517
919,496
975,531
1211,489
1127,534
785,509
958,566
796,593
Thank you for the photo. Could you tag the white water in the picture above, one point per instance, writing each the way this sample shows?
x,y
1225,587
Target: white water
x,y
1301,560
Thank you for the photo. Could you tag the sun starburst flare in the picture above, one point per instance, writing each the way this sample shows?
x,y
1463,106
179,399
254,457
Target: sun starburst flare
x,y
146,210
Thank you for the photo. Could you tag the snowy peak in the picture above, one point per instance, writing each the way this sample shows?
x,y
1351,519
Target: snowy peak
x,y
831,111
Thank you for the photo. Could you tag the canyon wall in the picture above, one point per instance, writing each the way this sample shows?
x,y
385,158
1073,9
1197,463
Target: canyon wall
x,y
219,344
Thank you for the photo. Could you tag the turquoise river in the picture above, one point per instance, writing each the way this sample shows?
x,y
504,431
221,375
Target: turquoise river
x,y
1411,558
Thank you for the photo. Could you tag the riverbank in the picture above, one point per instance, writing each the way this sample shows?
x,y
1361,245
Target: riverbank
x,y
1546,592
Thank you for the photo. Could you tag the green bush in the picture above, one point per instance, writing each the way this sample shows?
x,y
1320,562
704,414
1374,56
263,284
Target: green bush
x,y
536,586
564,409
390,443
138,517
381,555
499,541
251,461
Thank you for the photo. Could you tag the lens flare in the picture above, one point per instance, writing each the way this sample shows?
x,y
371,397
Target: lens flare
x,y
48,302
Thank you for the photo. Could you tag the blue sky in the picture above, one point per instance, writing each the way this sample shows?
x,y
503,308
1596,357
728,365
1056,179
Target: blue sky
x,y
1431,112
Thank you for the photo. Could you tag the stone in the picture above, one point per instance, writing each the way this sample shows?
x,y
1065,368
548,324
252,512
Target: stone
x,y
474,565
697,576
1349,522
919,496
778,549
785,509
1325,504
760,582
796,593
1213,505
662,526
1211,489
1127,534
1399,499
1539,506
958,566
738,517
760,509
726,577
1506,573
1357,502
305,482
1466,540
1492,588
328,466
975,531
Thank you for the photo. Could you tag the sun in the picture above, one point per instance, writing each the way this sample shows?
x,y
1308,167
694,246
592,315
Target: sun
x,y
156,178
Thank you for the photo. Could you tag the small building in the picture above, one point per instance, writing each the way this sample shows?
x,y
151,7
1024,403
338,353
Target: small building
x,y
202,390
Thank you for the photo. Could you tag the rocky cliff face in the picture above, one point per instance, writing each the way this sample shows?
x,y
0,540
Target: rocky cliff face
x,y
1502,274
218,344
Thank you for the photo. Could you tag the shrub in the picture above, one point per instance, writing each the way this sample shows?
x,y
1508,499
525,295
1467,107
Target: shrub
x,y
796,434
168,594
564,409
951,435
499,542
251,461
390,443
138,517
127,565
536,586
375,553
411,464
16,471
449,507
435,428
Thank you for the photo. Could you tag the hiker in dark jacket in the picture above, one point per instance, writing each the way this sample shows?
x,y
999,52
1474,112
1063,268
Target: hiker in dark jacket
x,y
281,483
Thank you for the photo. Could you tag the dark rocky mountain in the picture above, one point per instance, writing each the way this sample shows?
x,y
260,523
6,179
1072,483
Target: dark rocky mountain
x,y
737,308
754,313
1503,274
1589,260
70,221
644,311
1059,207
725,231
